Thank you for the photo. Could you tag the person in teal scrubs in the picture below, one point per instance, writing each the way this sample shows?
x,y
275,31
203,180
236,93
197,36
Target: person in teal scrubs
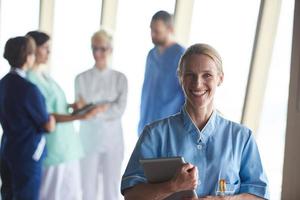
x,y
61,174
222,156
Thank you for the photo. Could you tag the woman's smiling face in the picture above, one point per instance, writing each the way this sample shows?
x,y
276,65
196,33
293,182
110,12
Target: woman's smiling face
x,y
200,78
42,53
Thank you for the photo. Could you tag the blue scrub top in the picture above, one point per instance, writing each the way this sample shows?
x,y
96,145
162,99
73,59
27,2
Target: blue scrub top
x,y
162,95
221,150
22,116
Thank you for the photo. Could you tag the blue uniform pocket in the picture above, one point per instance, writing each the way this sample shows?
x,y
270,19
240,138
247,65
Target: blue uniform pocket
x,y
232,189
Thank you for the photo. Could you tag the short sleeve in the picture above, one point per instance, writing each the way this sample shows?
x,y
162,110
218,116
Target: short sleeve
x,y
36,108
134,173
253,178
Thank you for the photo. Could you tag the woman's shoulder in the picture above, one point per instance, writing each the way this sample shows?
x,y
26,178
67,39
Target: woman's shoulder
x,y
32,76
117,73
118,76
32,90
85,73
23,83
166,123
234,126
163,129
24,87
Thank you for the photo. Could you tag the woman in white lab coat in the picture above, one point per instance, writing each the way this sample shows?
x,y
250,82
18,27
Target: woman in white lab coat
x,y
102,136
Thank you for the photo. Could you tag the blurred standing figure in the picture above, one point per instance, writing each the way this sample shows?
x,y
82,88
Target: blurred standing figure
x,y
24,119
161,94
61,173
102,136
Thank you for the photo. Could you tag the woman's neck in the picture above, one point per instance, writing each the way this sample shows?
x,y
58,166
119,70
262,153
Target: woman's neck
x,y
23,68
37,67
100,66
200,116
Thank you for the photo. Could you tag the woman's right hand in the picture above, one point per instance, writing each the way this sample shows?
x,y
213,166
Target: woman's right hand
x,y
91,113
78,104
94,111
186,178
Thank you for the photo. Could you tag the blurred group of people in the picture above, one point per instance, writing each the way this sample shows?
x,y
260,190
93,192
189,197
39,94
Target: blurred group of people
x,y
35,165
42,157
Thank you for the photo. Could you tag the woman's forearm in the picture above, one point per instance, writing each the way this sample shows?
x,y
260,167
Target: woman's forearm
x,y
65,118
186,178
148,191
234,197
49,126
244,197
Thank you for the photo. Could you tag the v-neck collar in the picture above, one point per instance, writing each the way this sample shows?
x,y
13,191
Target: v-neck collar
x,y
191,127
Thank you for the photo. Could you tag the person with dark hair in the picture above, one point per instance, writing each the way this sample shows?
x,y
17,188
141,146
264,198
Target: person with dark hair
x,y
161,93
223,161
61,172
41,40
24,120
165,17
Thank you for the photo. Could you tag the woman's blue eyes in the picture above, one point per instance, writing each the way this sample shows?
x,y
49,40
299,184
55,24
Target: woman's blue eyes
x,y
207,75
195,75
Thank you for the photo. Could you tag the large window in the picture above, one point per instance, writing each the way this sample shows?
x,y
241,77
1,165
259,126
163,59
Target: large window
x,y
16,19
74,24
229,26
132,43
271,133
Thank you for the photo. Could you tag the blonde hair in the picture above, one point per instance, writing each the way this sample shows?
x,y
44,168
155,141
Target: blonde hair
x,y
104,35
203,49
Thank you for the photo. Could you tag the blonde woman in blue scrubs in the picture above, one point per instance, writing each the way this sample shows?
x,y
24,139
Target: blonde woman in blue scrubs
x,y
219,153
61,174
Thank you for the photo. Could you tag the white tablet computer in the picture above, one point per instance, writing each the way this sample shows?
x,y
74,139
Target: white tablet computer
x,y
159,170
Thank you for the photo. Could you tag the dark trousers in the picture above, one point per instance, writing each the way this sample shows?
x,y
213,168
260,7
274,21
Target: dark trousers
x,y
20,180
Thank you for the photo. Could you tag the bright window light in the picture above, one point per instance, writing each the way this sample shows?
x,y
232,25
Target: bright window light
x,y
132,43
16,19
74,24
271,133
229,26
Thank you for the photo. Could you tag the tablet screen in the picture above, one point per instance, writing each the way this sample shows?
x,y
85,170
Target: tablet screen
x,y
159,170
